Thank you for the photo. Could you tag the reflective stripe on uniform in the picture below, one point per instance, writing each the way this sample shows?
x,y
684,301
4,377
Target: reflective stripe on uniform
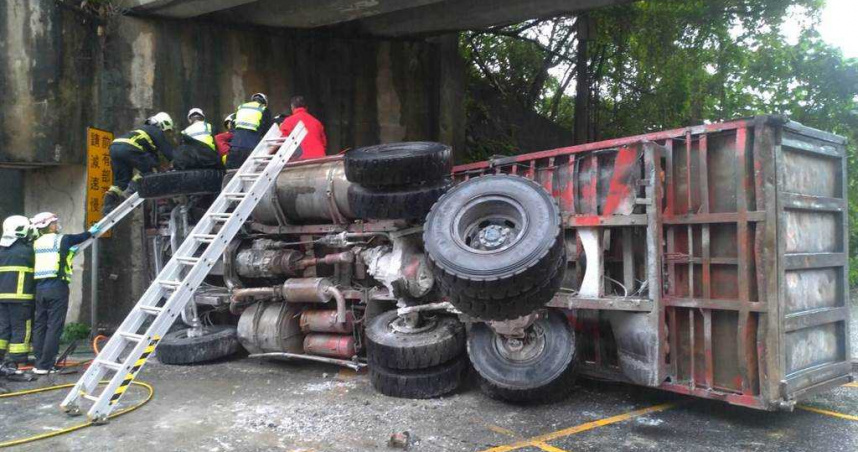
x,y
249,116
202,132
140,137
19,293
23,347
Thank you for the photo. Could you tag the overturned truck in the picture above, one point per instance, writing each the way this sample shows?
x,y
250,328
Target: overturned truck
x,y
709,261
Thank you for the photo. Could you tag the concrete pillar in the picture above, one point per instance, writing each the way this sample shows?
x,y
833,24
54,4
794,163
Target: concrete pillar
x,y
452,119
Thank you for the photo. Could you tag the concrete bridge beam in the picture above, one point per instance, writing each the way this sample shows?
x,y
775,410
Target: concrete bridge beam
x,y
183,9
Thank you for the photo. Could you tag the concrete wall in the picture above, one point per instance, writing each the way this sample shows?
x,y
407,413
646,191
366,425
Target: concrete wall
x,y
46,77
62,70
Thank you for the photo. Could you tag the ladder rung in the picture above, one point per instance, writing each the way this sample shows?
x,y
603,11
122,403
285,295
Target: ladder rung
x,y
169,283
88,397
187,260
222,217
115,366
204,237
154,310
133,337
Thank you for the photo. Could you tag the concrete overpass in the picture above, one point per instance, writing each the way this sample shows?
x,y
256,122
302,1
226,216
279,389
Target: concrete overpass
x,y
388,18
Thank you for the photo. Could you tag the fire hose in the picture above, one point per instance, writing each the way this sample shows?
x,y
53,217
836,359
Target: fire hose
x,y
73,428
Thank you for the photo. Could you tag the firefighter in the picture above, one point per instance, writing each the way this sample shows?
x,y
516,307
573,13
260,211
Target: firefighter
x,y
198,150
137,150
223,139
315,142
53,271
252,121
17,293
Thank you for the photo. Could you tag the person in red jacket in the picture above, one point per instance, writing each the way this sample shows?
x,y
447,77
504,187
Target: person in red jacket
x,y
315,142
223,139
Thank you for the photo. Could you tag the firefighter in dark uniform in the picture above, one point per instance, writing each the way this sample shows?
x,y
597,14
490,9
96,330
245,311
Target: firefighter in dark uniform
x,y
137,150
198,150
252,121
17,293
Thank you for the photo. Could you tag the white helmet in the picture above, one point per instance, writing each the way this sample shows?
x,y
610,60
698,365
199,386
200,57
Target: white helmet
x,y
162,120
14,228
43,220
196,112
262,98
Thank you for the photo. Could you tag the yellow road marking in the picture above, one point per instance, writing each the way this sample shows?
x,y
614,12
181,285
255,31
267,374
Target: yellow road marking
x,y
851,385
541,439
505,431
548,447
829,413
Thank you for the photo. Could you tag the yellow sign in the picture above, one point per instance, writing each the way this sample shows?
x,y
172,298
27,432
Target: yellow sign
x,y
99,176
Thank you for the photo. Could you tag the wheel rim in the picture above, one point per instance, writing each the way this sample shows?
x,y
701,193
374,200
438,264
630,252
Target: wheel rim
x,y
489,224
522,350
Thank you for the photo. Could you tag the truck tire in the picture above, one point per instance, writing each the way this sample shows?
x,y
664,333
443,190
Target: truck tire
x,y
542,369
510,307
217,341
392,204
175,183
495,242
398,164
420,383
390,345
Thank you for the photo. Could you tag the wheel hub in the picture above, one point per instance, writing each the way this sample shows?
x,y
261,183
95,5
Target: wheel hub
x,y
489,224
528,348
403,325
493,237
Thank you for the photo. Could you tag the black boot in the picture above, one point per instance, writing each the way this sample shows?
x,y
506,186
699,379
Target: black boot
x,y
111,201
8,369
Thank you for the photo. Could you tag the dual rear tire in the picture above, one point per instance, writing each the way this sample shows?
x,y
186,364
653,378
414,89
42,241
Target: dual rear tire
x,y
397,181
420,361
496,246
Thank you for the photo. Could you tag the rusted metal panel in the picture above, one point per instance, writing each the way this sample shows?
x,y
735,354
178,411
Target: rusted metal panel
x,y
744,259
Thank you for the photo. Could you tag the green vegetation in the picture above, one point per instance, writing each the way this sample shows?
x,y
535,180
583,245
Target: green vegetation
x,y
74,332
662,64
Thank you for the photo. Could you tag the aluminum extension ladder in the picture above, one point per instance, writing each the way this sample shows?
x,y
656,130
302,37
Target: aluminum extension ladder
x,y
127,350
112,219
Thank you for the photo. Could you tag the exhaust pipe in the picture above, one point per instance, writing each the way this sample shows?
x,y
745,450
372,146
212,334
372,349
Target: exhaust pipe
x,y
296,290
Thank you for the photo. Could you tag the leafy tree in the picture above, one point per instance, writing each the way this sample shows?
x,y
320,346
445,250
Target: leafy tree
x,y
660,64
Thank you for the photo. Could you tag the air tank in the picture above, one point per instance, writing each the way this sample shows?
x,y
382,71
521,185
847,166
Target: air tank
x,y
307,193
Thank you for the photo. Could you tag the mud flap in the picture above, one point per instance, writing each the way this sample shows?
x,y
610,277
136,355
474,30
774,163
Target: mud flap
x,y
637,346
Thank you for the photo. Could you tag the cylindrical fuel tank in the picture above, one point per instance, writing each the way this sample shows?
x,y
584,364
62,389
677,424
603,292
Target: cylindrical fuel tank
x,y
333,345
325,321
271,327
308,193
